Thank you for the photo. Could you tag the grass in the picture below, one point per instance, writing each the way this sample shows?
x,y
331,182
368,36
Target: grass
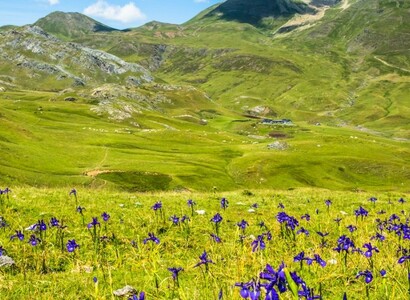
x,y
121,258
59,142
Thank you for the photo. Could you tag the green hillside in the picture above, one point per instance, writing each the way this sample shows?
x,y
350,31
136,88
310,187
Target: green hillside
x,y
168,106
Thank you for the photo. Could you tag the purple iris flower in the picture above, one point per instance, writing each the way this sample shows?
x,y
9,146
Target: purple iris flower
x,y
217,218
379,237
204,260
93,223
328,202
174,219
351,228
141,296
303,230
361,212
34,241
274,278
184,218
403,259
72,245
73,192
300,257
191,203
80,209
224,203
105,216
54,222
344,244
306,217
319,260
258,243
368,276
216,238
281,206
19,235
242,224
402,201
383,272
369,250
175,272
251,289
151,237
373,199
157,206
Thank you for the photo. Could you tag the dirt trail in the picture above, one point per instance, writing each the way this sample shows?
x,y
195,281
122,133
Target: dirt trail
x,y
390,65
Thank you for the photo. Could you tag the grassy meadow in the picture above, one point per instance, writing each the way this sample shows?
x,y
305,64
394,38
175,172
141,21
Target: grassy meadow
x,y
120,251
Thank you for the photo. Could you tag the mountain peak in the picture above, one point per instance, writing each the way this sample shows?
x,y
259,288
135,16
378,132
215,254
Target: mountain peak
x,y
71,25
254,11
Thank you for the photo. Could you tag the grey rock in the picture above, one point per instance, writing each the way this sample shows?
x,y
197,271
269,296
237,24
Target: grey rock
x,y
125,291
6,261
278,145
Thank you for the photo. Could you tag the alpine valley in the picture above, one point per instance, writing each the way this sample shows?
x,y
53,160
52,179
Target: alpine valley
x,y
246,95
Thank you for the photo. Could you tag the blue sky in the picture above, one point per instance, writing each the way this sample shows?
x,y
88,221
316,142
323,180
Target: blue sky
x,y
115,13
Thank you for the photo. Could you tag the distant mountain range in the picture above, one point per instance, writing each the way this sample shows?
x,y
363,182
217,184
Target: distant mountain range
x,y
340,63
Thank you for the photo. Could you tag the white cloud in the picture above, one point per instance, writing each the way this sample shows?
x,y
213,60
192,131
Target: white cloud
x,y
125,14
53,2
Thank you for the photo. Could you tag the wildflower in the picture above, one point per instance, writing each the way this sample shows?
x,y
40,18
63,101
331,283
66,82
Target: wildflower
x,y
151,237
184,218
224,203
403,259
242,225
290,221
80,209
157,206
300,257
361,212
40,225
274,278
217,218
191,203
303,230
105,216
344,244
306,217
328,203
319,260
204,260
93,223
373,199
72,245
175,272
368,276
200,212
34,241
383,272
337,220
136,297
18,235
249,289
54,222
255,205
174,219
402,201
351,228
73,192
379,237
281,206
258,243
370,249
216,238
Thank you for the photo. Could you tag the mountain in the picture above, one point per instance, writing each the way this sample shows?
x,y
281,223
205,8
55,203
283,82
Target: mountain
x,y
254,11
71,25
183,106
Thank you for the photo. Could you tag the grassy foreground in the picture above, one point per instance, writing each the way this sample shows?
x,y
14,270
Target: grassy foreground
x,y
112,253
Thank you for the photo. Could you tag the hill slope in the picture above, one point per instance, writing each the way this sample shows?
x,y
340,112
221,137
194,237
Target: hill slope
x,y
71,25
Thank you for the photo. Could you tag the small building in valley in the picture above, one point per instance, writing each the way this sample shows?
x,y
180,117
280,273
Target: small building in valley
x,y
266,121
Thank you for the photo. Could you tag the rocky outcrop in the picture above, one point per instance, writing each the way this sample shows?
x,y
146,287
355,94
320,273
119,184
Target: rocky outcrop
x,y
32,49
